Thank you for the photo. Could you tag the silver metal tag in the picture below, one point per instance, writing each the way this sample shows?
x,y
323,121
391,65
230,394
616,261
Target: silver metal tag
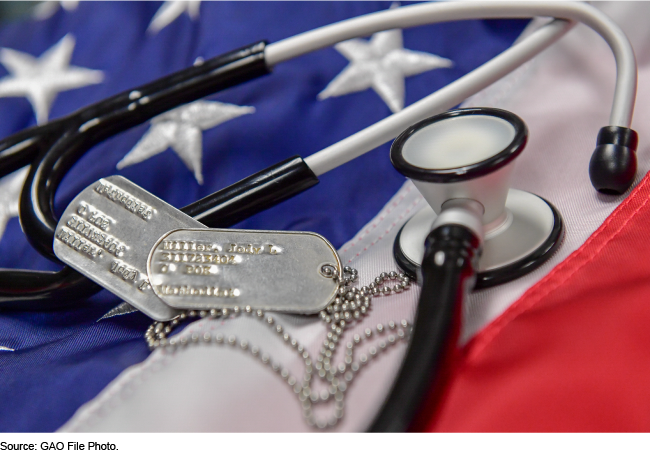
x,y
271,270
107,232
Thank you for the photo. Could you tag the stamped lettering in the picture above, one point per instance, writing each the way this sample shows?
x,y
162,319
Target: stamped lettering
x,y
144,285
124,199
268,270
189,246
103,240
206,291
189,257
74,241
204,270
253,249
95,216
107,232
126,272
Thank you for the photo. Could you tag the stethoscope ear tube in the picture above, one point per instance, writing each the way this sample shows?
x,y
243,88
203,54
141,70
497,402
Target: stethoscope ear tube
x,y
20,149
52,149
28,290
134,106
448,269
123,111
251,195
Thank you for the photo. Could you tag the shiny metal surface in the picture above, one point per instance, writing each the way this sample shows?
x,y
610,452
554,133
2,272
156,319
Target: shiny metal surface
x,y
107,232
270,270
529,224
321,390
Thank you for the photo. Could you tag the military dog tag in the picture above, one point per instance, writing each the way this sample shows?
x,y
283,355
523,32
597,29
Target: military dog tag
x,y
271,270
107,232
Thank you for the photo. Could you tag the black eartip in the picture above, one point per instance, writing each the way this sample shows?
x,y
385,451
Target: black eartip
x,y
612,167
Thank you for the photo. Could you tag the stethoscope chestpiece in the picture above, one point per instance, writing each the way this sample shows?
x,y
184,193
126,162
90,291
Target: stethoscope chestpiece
x,y
463,153
470,154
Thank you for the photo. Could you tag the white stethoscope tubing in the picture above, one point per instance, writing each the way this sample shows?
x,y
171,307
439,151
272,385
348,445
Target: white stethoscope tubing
x,y
445,98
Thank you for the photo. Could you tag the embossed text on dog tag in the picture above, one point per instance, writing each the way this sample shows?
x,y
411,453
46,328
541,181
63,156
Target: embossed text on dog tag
x,y
107,232
271,270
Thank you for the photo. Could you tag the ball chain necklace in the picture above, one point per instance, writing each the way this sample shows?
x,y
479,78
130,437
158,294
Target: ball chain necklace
x,y
349,307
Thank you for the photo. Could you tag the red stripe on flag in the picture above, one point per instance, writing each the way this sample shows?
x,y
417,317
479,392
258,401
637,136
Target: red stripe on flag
x,y
573,353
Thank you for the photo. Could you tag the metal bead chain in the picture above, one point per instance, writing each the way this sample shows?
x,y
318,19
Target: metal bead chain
x,y
348,308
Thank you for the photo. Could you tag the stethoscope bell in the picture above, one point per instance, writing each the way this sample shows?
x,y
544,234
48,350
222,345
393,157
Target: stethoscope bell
x,y
470,154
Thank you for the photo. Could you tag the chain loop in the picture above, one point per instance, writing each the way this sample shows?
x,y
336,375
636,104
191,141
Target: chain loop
x,y
349,307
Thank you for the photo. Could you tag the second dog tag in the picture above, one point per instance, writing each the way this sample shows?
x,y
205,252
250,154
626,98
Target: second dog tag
x,y
106,234
271,270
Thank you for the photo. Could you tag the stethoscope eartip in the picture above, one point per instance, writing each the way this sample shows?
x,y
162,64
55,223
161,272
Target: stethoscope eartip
x,y
612,167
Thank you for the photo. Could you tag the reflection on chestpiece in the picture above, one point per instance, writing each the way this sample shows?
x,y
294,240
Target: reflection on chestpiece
x,y
466,156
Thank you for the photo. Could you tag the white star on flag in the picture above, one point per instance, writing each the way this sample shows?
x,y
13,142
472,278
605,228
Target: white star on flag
x,y
121,309
170,11
381,64
47,9
10,189
181,129
41,79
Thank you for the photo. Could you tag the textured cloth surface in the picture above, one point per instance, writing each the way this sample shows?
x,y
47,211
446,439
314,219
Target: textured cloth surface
x,y
570,355
564,98
53,361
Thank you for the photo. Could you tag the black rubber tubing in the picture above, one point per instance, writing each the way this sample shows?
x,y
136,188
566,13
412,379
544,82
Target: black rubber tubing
x,y
448,269
221,209
115,115
52,149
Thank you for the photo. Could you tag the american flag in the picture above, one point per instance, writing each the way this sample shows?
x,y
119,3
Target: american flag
x,y
68,55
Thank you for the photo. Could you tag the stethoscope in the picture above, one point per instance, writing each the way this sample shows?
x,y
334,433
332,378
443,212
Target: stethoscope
x,y
471,209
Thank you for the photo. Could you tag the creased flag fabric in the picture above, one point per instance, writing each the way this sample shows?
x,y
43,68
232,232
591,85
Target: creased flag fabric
x,y
560,349
52,362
